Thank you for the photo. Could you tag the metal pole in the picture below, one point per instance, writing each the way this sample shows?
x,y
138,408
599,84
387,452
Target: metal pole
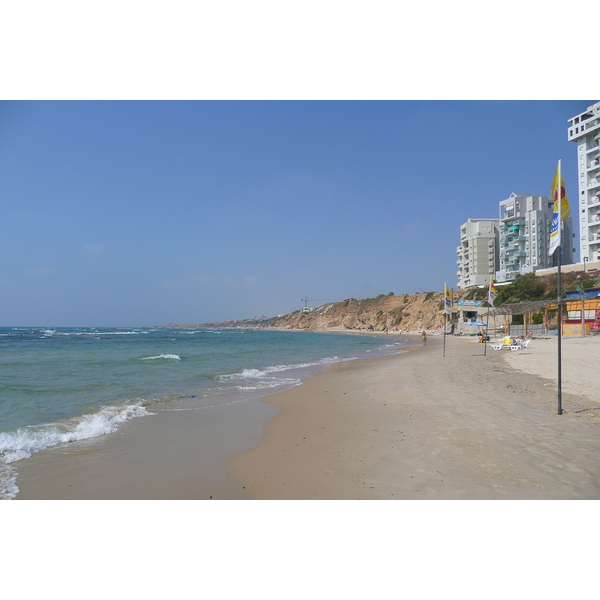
x,y
582,312
487,331
445,315
558,289
558,299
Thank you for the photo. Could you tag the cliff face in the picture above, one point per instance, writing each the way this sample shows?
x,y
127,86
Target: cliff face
x,y
407,312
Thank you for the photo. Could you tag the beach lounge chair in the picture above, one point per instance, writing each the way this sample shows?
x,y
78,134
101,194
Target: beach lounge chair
x,y
501,344
520,345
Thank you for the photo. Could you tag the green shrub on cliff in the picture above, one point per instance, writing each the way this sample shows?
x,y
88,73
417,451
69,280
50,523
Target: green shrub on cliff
x,y
524,287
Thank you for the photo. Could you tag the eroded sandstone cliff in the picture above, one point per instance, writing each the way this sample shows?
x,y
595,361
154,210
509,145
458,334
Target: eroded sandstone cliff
x,y
409,312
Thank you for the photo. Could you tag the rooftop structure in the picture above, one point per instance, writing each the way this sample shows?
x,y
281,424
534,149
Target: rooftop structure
x,y
585,132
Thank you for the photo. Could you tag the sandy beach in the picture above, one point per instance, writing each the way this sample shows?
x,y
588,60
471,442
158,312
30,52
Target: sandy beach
x,y
424,426
414,425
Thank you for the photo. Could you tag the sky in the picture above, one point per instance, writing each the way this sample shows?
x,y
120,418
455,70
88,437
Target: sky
x,y
140,213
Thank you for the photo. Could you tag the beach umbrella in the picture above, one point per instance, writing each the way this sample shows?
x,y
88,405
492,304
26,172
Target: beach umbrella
x,y
477,323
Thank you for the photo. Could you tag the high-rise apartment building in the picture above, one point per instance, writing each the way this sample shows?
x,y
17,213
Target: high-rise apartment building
x,y
585,131
478,252
524,228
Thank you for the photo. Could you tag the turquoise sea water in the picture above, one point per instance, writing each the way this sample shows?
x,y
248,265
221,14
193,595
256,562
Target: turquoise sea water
x,y
59,385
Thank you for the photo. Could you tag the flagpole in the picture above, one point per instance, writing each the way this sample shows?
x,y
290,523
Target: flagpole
x,y
490,301
487,329
558,287
445,315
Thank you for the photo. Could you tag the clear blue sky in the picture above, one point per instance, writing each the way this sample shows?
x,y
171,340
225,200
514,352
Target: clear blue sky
x,y
144,213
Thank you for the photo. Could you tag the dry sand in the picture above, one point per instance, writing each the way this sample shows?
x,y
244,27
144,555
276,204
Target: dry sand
x,y
424,426
580,357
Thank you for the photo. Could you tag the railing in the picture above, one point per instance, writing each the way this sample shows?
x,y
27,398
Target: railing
x,y
517,330
591,124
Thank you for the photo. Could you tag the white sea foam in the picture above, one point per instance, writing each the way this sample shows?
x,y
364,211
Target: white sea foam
x,y
270,382
165,356
8,482
96,333
23,442
261,373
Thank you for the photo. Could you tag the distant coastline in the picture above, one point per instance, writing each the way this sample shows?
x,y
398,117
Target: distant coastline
x,y
400,313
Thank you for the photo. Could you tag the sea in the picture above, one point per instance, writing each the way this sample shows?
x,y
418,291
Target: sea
x,y
61,385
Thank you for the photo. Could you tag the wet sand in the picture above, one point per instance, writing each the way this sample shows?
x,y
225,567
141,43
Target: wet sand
x,y
176,454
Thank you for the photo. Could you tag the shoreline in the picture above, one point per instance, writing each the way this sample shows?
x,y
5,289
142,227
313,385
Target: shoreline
x,y
409,425
421,426
177,452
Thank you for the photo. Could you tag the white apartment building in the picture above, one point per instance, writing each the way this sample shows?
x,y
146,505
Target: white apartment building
x,y
524,228
585,131
478,252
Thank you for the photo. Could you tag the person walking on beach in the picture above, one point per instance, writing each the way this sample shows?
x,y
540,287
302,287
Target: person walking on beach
x,y
424,337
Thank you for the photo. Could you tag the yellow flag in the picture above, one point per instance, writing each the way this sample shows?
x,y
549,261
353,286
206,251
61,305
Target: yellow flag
x,y
558,193
491,293
447,301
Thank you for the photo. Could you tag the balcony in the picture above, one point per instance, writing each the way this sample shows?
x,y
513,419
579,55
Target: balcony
x,y
513,221
591,124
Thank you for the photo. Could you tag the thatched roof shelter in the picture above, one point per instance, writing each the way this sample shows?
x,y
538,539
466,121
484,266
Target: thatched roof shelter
x,y
521,308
